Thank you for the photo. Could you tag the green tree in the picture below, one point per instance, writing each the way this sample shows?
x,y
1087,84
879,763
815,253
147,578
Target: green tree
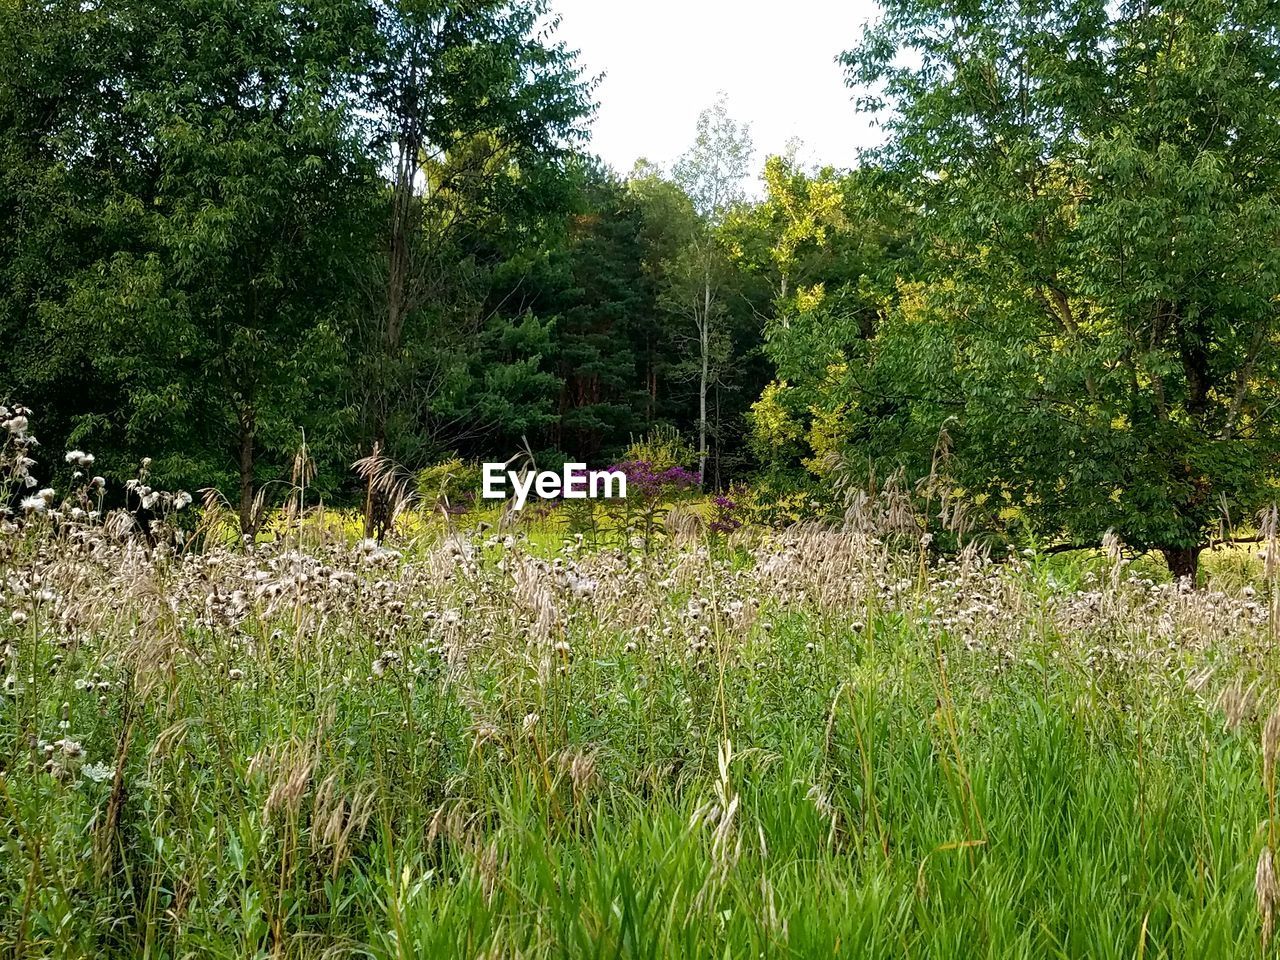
x,y
590,279
668,223
711,173
476,111
1099,183
831,246
219,176
57,95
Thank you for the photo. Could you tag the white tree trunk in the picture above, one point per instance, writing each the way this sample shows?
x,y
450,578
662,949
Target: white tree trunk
x,y
702,407
704,337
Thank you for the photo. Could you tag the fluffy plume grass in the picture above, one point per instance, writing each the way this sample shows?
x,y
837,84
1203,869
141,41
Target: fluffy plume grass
x,y
795,745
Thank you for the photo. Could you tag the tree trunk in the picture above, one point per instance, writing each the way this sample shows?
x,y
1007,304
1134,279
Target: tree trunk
x,y
715,434
1183,562
399,301
248,427
704,335
398,253
702,408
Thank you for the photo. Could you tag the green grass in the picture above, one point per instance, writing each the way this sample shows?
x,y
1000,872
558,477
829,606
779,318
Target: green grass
x,y
893,794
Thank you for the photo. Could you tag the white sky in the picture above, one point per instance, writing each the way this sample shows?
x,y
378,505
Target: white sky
x,y
664,60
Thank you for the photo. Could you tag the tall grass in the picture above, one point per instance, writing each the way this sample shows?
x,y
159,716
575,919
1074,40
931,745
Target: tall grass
x,y
797,747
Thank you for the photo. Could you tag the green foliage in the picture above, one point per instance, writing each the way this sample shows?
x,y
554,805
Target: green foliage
x,y
1097,326
830,246
193,218
475,111
603,345
779,500
448,482
369,223
662,447
209,297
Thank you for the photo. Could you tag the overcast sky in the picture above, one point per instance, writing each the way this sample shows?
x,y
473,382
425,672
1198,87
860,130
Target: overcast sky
x,y
664,60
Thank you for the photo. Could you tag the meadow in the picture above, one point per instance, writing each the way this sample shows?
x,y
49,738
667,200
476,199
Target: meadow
x,y
940,619
491,741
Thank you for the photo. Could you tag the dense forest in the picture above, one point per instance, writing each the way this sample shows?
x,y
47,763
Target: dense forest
x,y
1047,302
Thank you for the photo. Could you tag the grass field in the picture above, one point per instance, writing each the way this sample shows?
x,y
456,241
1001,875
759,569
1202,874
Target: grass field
x,y
792,746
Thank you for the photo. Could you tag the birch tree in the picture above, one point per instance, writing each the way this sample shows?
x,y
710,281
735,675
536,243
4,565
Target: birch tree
x,y
712,174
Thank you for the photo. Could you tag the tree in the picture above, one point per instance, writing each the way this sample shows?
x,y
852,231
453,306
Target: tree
x,y
668,223
830,246
589,280
1097,333
475,114
61,163
711,174
217,173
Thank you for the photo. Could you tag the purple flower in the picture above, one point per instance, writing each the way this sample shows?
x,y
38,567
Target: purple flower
x,y
650,482
723,519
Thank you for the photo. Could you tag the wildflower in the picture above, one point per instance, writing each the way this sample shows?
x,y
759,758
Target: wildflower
x,y
182,499
235,673
16,424
98,772
74,456
33,505
530,721
18,617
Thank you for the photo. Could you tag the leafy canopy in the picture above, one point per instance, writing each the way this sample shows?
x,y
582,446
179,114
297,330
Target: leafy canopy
x,y
1099,186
